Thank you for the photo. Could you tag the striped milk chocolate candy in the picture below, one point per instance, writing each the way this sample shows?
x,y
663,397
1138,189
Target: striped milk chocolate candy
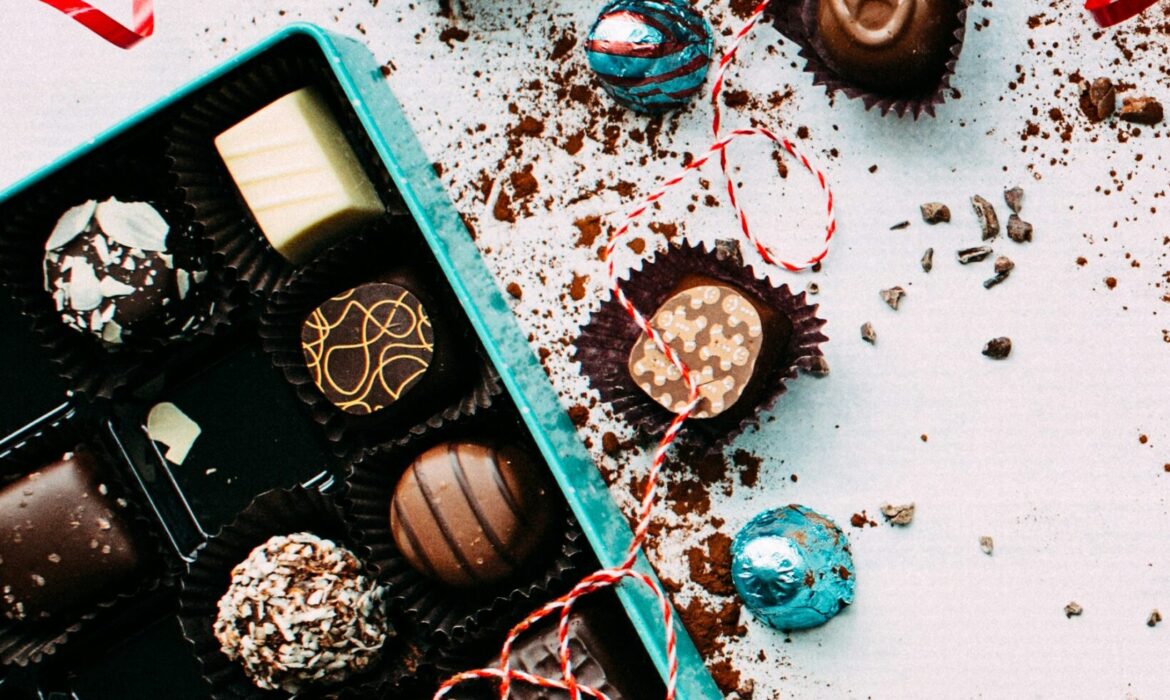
x,y
468,514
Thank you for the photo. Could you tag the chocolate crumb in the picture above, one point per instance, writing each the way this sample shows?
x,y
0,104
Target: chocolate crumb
x,y
610,444
818,366
1111,282
868,334
1082,261
1098,100
898,515
1073,609
1154,618
893,296
928,260
1019,230
728,250
987,545
1004,264
515,290
579,415
1014,198
998,348
900,225
861,520
813,288
976,254
1141,110
935,212
988,220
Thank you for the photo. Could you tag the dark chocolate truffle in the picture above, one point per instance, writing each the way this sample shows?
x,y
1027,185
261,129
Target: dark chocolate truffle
x,y
64,540
299,612
893,47
111,273
368,347
468,514
721,335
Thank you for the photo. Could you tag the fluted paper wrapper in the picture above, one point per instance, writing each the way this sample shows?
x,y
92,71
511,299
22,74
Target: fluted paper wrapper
x,y
795,19
604,344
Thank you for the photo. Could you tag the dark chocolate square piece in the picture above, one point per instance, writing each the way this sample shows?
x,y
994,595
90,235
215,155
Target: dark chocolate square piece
x,y
65,540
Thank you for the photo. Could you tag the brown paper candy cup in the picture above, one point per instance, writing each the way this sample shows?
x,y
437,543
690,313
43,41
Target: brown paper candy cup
x,y
204,181
449,615
604,344
795,19
405,660
92,368
67,429
469,384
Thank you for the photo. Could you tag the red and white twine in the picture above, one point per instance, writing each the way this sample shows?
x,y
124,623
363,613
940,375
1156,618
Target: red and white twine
x,y
105,26
605,578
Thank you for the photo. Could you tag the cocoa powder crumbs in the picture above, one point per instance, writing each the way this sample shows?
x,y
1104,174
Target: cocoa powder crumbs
x,y
1111,282
577,287
708,626
749,464
453,34
588,229
503,208
610,444
710,565
514,289
579,415
637,245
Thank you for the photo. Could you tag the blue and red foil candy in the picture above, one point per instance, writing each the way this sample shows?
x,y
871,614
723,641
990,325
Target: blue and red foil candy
x,y
650,55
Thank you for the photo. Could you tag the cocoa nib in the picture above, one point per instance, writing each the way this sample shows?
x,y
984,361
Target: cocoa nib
x,y
1141,110
817,366
1003,268
935,212
893,296
1154,618
1098,100
1019,230
976,254
1073,609
928,260
987,545
898,515
868,334
998,348
1014,198
988,221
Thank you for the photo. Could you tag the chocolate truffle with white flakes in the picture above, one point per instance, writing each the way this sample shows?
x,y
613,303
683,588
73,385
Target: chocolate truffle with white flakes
x,y
111,272
300,613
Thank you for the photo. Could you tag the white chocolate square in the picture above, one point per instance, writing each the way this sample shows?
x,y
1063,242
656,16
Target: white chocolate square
x,y
298,174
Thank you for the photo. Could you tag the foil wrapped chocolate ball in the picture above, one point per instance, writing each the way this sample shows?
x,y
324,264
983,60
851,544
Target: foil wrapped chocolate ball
x,y
650,55
792,568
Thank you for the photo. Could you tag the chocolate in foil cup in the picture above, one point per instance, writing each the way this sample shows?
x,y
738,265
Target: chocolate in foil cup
x,y
130,171
72,430
446,614
604,345
203,178
405,664
796,20
460,381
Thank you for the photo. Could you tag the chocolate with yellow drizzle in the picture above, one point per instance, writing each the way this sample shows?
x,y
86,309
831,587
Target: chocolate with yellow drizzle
x,y
367,347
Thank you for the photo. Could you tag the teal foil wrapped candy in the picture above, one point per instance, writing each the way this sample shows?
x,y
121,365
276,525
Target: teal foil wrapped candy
x,y
792,567
650,55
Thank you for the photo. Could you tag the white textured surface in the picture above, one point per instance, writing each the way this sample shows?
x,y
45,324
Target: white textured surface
x,y
1040,452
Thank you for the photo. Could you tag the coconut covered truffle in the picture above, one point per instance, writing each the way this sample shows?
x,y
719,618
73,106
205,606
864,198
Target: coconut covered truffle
x,y
111,272
299,613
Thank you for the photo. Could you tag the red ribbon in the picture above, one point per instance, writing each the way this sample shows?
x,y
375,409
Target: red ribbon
x,y
1111,12
107,27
